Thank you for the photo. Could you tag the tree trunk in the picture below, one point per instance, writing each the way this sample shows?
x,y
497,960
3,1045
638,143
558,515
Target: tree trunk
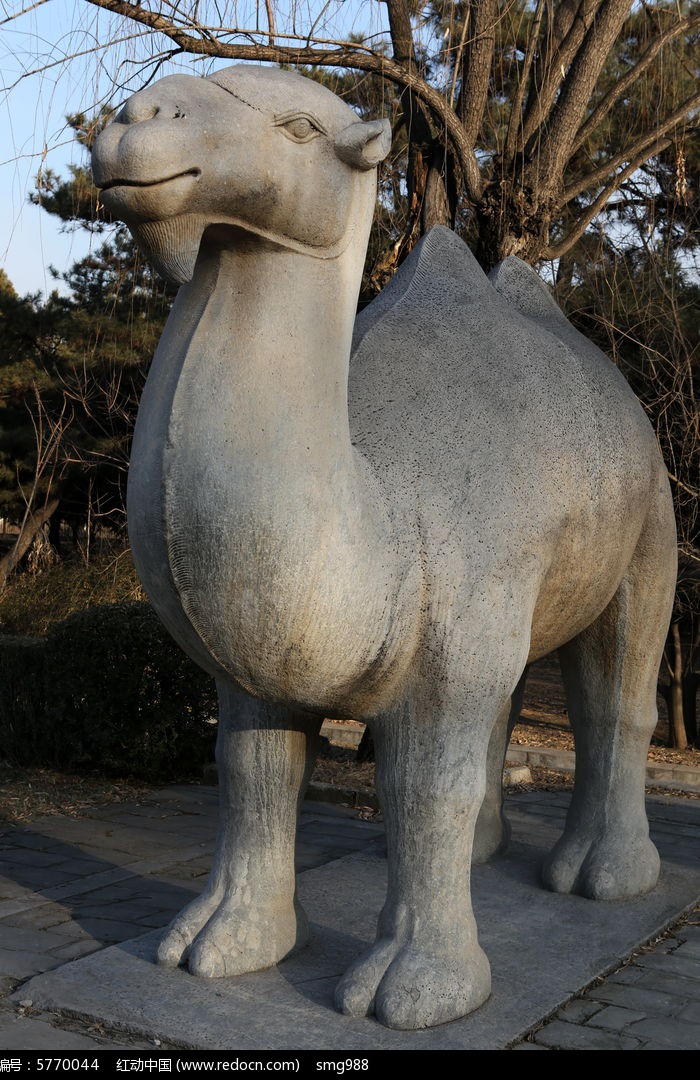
x,y
691,683
675,699
440,199
30,527
511,220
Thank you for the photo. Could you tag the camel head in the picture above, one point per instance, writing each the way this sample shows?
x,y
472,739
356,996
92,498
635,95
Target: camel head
x,y
266,151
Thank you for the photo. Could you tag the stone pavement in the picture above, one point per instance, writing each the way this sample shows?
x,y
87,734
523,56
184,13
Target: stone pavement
x,y
71,887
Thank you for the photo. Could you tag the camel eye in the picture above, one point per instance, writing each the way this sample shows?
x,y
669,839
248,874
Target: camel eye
x,y
300,128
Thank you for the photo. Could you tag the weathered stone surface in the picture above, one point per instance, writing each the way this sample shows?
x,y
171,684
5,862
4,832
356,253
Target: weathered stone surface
x,y
391,538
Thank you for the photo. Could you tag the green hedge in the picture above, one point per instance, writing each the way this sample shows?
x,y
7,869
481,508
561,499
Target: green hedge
x,y
106,689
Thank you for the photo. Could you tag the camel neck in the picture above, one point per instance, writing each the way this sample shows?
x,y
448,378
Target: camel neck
x,y
280,324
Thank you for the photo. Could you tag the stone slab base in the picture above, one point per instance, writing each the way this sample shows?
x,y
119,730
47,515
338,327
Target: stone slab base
x,y
543,949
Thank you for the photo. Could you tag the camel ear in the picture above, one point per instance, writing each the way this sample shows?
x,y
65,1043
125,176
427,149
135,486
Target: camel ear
x,y
364,144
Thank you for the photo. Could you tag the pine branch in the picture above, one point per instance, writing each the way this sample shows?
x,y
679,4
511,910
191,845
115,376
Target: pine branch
x,y
622,85
554,147
638,151
476,66
557,250
570,28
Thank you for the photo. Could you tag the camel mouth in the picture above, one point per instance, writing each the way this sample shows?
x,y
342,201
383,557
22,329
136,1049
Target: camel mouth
x,y
195,173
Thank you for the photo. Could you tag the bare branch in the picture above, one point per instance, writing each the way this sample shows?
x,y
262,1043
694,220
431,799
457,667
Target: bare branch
x,y
515,119
22,11
345,55
695,493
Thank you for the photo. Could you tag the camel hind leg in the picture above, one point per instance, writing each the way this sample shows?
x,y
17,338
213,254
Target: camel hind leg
x,y
610,672
492,833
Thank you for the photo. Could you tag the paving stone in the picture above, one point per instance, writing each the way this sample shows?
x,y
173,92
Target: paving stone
x,y
687,966
21,965
673,1034
691,947
579,1010
11,937
561,1036
26,837
691,1013
80,867
38,878
647,1001
29,856
614,1018
656,979
39,918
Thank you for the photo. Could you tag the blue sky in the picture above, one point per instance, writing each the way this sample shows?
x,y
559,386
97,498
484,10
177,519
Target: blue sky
x,y
33,132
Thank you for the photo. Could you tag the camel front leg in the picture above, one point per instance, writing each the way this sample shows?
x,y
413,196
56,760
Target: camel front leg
x,y
426,966
248,917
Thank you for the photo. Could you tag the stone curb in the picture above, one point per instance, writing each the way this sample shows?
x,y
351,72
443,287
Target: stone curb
x,y
673,777
668,776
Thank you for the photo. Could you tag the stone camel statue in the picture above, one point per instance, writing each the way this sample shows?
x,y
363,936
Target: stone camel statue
x,y
389,527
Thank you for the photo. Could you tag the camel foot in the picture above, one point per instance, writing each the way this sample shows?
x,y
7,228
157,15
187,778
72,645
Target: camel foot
x,y
409,989
174,946
605,868
222,938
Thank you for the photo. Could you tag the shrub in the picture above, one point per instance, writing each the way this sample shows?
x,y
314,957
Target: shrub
x,y
22,696
111,691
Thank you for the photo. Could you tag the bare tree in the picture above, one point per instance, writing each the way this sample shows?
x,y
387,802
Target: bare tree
x,y
503,103
40,502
